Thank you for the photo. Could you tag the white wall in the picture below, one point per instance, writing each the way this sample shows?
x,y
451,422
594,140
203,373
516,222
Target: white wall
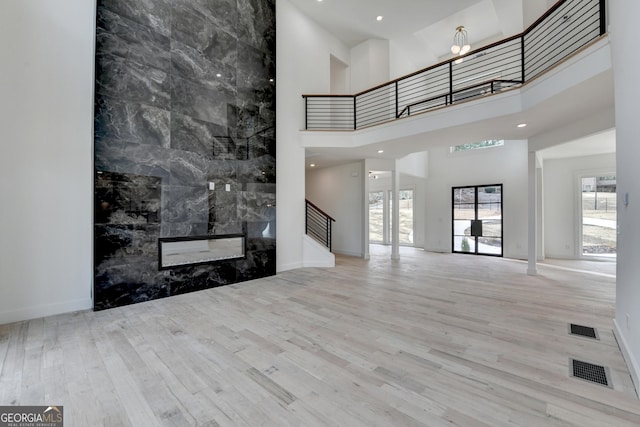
x,y
46,141
339,76
626,69
561,193
416,164
303,66
534,9
339,193
400,64
505,165
369,64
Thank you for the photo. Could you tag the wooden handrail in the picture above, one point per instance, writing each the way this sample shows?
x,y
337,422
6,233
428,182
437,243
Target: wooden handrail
x,y
325,114
319,210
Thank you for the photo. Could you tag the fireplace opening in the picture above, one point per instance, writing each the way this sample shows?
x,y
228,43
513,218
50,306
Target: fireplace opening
x,y
181,251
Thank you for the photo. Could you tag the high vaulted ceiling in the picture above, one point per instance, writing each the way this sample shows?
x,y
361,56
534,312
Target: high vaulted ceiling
x,y
421,31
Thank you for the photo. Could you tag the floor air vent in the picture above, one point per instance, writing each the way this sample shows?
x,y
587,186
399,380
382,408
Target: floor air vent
x,y
583,331
590,372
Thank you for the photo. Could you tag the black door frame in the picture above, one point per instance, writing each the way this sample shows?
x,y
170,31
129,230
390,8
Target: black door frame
x,y
476,224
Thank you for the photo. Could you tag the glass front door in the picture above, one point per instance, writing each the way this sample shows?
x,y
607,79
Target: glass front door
x,y
477,220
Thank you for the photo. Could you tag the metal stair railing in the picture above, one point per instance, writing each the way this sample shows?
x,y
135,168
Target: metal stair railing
x,y
318,224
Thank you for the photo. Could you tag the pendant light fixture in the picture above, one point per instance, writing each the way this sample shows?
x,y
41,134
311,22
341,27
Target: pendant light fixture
x,y
460,42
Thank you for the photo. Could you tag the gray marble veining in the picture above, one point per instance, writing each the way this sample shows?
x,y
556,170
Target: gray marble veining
x,y
226,227
120,36
221,14
255,68
184,141
187,169
197,136
194,65
124,157
257,206
132,81
197,101
131,121
223,172
184,229
181,204
154,14
254,23
257,170
197,30
223,206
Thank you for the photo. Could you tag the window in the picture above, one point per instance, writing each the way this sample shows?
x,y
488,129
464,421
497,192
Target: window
x,y
599,210
376,217
477,145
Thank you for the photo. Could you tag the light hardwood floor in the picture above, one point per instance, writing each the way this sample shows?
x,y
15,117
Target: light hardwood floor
x,y
430,340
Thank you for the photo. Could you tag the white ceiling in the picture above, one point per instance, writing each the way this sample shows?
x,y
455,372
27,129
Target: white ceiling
x,y
354,21
601,143
421,31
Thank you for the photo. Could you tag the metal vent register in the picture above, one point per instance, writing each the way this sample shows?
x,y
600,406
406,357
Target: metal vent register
x,y
583,331
590,372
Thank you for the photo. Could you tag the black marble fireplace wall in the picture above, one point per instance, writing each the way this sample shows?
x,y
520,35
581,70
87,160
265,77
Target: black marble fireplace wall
x,y
184,141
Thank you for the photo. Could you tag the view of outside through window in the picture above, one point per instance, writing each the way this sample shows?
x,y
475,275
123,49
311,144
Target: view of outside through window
x,y
376,216
599,215
378,220
476,145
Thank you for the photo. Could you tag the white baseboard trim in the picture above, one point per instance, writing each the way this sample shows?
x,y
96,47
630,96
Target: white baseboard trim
x,y
438,250
561,256
45,310
291,266
348,253
629,358
319,264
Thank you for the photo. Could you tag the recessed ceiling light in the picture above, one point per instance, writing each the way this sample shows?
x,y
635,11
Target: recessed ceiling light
x,y
218,75
379,18
522,125
313,165
380,151
270,80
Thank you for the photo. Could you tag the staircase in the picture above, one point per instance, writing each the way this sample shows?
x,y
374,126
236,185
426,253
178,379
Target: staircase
x,y
318,224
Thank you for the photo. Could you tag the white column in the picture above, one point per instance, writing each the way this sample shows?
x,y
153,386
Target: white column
x,y
540,213
395,214
533,213
365,219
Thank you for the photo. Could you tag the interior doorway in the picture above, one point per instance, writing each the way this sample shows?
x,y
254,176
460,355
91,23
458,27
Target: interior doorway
x,y
381,220
477,220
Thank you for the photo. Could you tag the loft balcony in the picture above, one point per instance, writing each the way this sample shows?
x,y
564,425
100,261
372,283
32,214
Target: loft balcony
x,y
555,63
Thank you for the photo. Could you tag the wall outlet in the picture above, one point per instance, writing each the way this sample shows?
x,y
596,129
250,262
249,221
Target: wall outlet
x,y
212,186
227,187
